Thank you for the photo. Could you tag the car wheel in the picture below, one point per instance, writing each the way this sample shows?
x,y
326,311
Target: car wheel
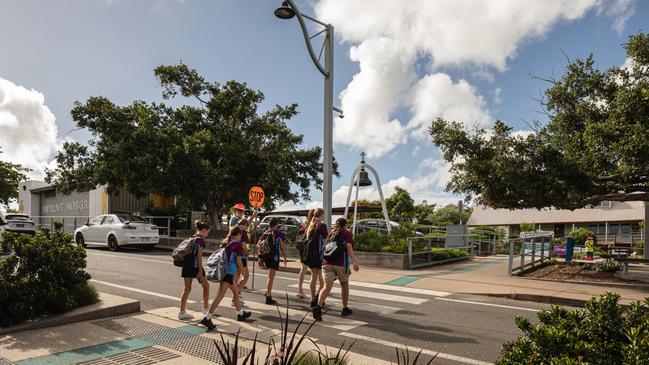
x,y
80,241
112,243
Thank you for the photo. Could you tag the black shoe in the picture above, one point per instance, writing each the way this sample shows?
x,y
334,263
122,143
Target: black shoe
x,y
208,323
242,317
271,301
317,313
346,312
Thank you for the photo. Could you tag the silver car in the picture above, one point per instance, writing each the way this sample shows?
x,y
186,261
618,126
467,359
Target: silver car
x,y
16,222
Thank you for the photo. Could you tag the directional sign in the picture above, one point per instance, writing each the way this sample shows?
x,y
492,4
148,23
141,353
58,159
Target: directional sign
x,y
256,196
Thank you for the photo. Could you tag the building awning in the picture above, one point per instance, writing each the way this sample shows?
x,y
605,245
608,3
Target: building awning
x,y
632,211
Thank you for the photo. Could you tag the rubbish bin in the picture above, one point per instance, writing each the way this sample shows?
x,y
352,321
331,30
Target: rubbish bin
x,y
570,248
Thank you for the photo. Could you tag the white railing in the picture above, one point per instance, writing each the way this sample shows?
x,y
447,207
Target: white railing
x,y
419,256
535,248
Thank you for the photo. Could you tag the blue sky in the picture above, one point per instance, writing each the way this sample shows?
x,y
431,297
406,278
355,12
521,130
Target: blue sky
x,y
410,62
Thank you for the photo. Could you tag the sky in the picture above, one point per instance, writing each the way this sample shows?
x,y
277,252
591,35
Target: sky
x,y
398,66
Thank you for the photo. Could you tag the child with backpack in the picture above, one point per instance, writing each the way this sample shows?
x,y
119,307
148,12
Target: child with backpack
x,y
270,244
300,242
315,235
241,278
192,268
233,252
338,252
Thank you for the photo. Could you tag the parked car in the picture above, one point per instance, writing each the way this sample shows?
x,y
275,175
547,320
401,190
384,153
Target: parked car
x,y
379,225
116,230
286,222
16,222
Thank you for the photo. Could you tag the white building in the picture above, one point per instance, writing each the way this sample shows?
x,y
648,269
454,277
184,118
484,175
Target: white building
x,y
611,221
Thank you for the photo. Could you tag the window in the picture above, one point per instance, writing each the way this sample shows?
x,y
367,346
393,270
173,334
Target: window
x,y
108,220
605,204
96,221
130,218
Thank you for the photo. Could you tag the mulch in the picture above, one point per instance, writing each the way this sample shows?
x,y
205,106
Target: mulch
x,y
568,272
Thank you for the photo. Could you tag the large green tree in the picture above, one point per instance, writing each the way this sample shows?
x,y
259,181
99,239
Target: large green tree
x,y
10,175
593,147
209,151
449,214
401,206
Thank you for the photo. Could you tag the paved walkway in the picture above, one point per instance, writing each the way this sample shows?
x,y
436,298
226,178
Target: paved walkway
x,y
140,339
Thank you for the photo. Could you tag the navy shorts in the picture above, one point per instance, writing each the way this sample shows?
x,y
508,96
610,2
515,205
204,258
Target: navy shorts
x,y
228,279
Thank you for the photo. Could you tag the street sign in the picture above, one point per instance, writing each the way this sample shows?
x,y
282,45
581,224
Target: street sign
x,y
256,196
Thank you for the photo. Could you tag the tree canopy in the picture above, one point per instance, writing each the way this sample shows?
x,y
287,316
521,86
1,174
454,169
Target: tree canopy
x,y
209,152
10,175
401,206
592,148
449,214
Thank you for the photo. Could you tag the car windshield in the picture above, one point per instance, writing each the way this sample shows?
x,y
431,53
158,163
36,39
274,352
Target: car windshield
x,y
12,217
131,218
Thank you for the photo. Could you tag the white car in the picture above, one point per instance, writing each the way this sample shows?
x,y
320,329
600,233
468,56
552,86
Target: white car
x,y
285,222
16,222
116,230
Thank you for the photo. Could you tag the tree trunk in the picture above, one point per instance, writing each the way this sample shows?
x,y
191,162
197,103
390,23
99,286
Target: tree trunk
x,y
214,217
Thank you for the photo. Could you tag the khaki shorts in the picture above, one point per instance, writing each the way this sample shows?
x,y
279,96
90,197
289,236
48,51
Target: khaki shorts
x,y
332,272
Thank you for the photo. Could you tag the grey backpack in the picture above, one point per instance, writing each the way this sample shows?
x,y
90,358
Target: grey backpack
x,y
183,250
217,265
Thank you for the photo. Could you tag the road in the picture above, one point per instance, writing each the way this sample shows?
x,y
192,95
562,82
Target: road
x,y
463,328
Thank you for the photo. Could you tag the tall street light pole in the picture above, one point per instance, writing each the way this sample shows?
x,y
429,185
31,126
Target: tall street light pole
x,y
288,10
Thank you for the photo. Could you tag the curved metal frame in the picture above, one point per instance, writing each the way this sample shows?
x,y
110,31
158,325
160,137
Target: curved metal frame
x,y
307,39
349,195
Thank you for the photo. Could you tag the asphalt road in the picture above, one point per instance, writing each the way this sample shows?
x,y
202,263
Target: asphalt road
x,y
464,328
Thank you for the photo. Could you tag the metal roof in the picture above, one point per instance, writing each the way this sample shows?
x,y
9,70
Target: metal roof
x,y
617,212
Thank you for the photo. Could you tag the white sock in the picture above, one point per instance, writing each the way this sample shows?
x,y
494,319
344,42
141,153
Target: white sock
x,y
240,312
208,315
182,312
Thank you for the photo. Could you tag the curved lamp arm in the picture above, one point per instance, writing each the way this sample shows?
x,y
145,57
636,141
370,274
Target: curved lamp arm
x,y
307,40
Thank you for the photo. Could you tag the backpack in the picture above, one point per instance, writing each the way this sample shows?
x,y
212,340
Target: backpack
x,y
312,247
183,250
300,240
217,265
335,248
266,244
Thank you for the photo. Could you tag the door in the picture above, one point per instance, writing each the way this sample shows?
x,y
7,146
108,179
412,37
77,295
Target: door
x,y
104,228
559,230
91,234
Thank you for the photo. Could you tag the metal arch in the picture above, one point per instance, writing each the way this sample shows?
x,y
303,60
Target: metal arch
x,y
307,40
385,209
349,196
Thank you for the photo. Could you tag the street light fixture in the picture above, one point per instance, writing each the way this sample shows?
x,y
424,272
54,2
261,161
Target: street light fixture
x,y
288,10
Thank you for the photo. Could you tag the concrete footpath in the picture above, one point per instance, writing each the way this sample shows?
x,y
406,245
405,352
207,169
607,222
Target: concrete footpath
x,y
143,338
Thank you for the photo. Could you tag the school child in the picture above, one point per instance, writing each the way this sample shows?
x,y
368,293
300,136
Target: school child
x,y
271,262
338,268
316,234
234,252
193,269
241,278
304,268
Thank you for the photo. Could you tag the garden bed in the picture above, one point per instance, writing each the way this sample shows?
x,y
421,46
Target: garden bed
x,y
563,271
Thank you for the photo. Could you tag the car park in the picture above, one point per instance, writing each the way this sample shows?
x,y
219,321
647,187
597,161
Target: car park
x,y
16,222
117,230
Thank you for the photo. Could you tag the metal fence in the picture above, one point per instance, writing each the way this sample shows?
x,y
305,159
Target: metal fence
x,y
421,249
71,223
529,251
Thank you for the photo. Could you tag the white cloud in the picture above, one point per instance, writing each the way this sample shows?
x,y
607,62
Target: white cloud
x,y
498,96
389,37
28,132
522,133
436,95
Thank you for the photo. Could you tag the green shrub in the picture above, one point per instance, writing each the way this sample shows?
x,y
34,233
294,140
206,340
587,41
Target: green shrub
x,y
44,274
608,265
600,334
313,358
445,254
369,241
580,236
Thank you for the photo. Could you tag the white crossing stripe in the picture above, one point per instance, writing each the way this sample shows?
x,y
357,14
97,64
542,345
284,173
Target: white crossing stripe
x,y
488,304
381,296
332,321
375,308
441,355
169,262
139,290
403,289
